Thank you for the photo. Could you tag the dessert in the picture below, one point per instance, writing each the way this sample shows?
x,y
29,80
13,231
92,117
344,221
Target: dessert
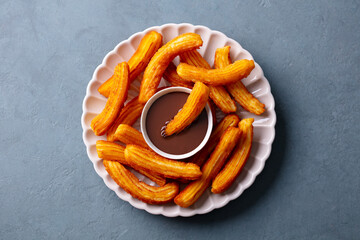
x,y
174,79
232,73
213,165
195,103
140,190
128,115
237,89
145,159
115,152
230,120
218,94
149,44
102,122
176,123
162,58
129,135
241,153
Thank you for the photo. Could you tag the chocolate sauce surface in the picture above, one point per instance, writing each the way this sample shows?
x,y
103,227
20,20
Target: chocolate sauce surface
x,y
163,110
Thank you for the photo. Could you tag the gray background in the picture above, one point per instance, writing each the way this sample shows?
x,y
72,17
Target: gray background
x,y
310,53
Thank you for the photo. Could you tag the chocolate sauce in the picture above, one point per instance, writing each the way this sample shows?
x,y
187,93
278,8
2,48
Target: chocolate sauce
x,y
162,111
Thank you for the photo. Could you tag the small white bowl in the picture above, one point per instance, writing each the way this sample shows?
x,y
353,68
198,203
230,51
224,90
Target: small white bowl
x,y
146,137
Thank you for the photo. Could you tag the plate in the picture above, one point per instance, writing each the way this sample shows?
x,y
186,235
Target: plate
x,y
264,125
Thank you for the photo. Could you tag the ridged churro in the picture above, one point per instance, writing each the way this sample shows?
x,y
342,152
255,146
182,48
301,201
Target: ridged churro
x,y
149,44
160,61
129,135
230,120
193,106
102,122
174,79
213,165
230,74
237,89
142,158
218,94
140,190
128,115
115,152
241,153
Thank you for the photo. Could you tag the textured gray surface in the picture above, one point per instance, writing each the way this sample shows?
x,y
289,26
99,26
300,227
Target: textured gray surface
x,y
310,53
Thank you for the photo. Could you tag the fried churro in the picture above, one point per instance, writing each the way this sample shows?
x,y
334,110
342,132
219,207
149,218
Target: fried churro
x,y
194,105
129,135
115,152
128,115
241,153
142,158
174,79
230,74
159,62
102,122
213,165
149,44
218,94
140,190
237,89
230,120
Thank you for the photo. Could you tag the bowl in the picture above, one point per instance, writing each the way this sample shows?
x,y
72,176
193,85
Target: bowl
x,y
256,83
147,106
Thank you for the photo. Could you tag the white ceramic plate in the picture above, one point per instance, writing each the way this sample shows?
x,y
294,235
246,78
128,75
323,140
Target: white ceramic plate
x,y
264,125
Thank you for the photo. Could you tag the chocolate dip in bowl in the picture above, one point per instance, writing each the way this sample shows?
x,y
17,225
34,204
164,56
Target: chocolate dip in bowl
x,y
159,110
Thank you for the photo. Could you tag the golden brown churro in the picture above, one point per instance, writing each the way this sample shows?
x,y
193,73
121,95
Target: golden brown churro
x,y
129,135
230,120
140,190
218,94
237,89
115,152
230,74
162,58
213,165
241,153
128,115
102,122
174,79
149,44
142,158
194,105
